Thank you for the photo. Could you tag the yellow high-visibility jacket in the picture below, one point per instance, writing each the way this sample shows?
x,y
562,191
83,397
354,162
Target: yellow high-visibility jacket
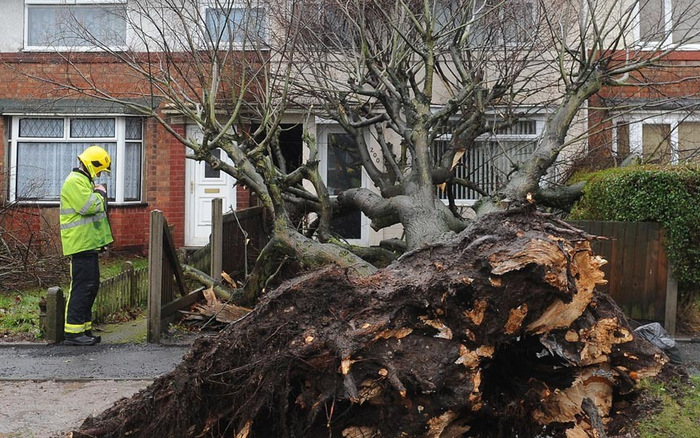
x,y
84,222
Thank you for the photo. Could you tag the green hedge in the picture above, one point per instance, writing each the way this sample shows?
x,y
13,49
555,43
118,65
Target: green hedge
x,y
668,195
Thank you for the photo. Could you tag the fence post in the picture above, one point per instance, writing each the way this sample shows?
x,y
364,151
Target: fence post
x,y
155,276
55,314
217,231
671,301
132,297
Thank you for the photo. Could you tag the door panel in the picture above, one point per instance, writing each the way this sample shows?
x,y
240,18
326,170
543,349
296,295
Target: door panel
x,y
205,184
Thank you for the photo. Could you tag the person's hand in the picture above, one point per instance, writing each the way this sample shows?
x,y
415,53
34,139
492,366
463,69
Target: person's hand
x,y
100,187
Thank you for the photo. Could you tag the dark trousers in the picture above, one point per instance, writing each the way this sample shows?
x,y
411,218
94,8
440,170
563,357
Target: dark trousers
x,y
85,281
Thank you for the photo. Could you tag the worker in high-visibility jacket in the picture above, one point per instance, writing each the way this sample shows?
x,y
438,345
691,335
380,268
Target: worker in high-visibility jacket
x,y
85,231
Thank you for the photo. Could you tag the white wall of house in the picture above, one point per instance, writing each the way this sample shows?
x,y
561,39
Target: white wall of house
x,y
11,25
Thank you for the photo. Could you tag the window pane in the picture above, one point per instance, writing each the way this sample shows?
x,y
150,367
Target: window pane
x,y
235,25
91,128
623,139
108,179
132,172
76,26
686,15
518,21
344,172
689,142
42,167
497,21
487,164
656,143
41,128
208,171
134,127
349,226
344,169
651,20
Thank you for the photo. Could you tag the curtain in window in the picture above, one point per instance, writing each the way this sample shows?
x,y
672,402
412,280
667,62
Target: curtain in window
x,y
76,26
42,167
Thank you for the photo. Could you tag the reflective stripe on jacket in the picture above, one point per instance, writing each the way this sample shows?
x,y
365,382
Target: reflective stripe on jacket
x,y
84,223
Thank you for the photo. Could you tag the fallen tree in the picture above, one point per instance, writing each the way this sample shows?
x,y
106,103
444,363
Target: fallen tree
x,y
498,332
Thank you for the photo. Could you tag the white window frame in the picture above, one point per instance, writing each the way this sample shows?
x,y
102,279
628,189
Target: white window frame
x,y
237,45
323,131
32,3
668,30
539,128
636,124
119,139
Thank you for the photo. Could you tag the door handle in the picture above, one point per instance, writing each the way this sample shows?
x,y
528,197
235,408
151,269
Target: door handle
x,y
191,187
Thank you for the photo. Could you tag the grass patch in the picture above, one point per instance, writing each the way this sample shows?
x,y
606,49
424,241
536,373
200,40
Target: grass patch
x,y
680,410
19,313
109,267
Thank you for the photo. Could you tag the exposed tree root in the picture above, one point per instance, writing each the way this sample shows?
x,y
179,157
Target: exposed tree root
x,y
497,333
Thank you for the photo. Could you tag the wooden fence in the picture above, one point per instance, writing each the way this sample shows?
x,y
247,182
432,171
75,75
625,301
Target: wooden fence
x,y
237,239
165,279
126,289
639,276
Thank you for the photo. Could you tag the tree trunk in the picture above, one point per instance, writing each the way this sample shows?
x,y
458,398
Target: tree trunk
x,y
498,332
300,254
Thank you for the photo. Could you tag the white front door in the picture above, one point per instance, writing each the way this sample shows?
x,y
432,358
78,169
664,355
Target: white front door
x,y
203,184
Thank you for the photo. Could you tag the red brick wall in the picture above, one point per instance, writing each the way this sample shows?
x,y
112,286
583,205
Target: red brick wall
x,y
677,77
164,157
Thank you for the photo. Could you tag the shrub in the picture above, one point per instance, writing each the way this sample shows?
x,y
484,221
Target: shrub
x,y
668,195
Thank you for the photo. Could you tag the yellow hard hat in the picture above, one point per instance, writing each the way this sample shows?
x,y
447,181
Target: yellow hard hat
x,y
95,159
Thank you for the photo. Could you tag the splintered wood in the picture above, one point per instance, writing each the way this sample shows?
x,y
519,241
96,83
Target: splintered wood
x,y
214,310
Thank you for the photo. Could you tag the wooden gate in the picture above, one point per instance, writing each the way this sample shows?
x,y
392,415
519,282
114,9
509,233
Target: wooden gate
x,y
165,279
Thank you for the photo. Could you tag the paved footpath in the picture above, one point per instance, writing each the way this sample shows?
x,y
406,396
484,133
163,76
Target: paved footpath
x,y
48,390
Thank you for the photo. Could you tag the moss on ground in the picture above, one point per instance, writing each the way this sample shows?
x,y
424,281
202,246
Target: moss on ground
x,y
679,416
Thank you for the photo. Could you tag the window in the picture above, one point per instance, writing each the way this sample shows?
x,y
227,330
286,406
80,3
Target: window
x,y
667,139
324,25
341,166
492,158
237,24
664,22
505,22
75,25
45,149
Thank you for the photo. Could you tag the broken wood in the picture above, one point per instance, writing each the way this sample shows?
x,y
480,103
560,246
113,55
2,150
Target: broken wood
x,y
499,332
219,289
214,309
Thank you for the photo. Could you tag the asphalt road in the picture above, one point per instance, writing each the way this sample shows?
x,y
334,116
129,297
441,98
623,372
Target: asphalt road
x,y
137,361
102,361
690,352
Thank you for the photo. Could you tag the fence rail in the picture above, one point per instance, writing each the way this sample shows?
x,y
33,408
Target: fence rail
x,y
639,276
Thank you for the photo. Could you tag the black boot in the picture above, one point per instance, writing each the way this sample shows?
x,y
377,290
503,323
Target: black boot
x,y
97,338
78,339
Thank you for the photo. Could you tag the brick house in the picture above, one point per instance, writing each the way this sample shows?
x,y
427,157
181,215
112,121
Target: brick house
x,y
43,129
656,117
